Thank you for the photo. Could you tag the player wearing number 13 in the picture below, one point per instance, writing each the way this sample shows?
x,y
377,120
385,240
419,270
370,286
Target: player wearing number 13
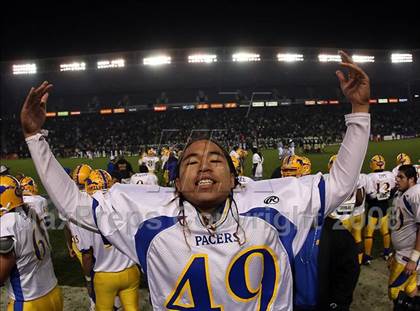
x,y
378,196
25,255
210,244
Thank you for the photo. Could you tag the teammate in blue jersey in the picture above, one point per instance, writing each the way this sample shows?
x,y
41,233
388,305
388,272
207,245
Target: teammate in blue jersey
x,y
209,244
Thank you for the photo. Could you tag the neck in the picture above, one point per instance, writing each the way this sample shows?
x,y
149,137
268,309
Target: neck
x,y
213,214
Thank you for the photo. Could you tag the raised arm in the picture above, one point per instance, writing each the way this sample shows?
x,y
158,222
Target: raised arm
x,y
62,190
346,169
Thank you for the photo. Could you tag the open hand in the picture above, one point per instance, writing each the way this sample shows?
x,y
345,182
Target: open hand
x,y
356,85
33,114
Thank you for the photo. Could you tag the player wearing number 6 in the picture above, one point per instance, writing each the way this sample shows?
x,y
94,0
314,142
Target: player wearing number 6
x,y
378,196
25,254
209,244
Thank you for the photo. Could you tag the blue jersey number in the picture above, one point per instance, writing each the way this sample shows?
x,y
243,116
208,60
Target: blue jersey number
x,y
193,290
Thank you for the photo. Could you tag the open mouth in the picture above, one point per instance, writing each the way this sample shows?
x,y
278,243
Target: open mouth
x,y
204,182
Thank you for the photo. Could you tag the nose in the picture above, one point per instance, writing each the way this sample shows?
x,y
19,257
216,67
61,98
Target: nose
x,y
204,166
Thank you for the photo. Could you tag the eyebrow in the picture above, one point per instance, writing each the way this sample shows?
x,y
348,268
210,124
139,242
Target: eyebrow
x,y
194,154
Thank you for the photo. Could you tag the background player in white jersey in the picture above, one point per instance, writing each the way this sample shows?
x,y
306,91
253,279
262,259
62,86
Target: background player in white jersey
x,y
351,212
150,160
108,272
405,225
207,244
79,176
378,196
71,230
257,164
31,197
144,177
25,253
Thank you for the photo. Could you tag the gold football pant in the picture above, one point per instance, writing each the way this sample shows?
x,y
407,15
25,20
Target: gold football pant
x,y
369,230
125,284
399,281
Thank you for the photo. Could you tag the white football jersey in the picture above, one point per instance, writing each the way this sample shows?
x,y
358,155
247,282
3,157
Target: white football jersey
x,y
150,162
405,217
144,179
39,204
242,261
33,276
380,184
181,261
107,257
349,208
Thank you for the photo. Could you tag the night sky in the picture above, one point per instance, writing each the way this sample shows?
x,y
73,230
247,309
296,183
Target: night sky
x,y
42,29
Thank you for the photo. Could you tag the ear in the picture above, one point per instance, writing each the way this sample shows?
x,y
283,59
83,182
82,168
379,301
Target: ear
x,y
177,184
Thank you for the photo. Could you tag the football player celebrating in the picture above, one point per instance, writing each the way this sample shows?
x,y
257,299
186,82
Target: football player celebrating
x,y
25,253
204,245
378,196
405,220
108,272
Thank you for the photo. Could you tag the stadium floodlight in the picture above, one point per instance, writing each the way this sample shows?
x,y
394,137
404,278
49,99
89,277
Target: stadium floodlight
x,y
258,104
246,57
115,63
73,66
202,58
288,57
157,60
402,58
363,58
329,58
24,69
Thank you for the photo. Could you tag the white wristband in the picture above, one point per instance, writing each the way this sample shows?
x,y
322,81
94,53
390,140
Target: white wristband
x,y
88,278
415,255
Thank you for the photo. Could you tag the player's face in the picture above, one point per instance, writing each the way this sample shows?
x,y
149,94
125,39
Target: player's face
x,y
205,179
402,181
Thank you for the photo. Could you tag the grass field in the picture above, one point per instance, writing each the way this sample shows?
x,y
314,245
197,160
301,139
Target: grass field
x,y
68,270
